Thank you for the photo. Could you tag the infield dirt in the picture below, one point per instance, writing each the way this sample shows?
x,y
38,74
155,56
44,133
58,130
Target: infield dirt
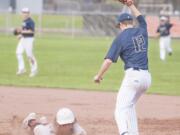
x,y
158,115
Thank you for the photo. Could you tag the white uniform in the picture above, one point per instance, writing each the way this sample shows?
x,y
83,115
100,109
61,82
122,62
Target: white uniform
x,y
43,130
165,38
25,45
134,84
165,46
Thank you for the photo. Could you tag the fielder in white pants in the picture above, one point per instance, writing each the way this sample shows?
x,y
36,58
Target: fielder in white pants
x,y
26,45
26,39
165,38
131,45
165,47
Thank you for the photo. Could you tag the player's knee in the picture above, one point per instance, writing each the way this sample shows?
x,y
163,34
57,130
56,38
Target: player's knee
x,y
121,107
31,59
162,47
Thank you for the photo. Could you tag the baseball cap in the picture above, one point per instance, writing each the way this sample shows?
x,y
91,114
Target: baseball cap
x,y
124,17
25,10
65,116
31,116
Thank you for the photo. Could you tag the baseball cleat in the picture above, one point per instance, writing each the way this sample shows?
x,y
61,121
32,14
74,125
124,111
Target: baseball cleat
x,y
21,72
125,133
170,53
34,73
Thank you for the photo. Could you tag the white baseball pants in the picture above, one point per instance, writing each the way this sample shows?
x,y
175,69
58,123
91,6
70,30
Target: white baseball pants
x,y
26,44
134,84
165,46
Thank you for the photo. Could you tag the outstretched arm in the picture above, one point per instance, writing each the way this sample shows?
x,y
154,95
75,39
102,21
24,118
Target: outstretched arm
x,y
134,10
105,66
27,31
138,15
130,4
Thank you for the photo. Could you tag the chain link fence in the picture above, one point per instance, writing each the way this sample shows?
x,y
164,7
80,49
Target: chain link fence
x,y
73,18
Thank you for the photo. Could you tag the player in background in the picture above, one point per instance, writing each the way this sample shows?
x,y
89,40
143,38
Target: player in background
x,y
66,123
132,46
26,39
163,31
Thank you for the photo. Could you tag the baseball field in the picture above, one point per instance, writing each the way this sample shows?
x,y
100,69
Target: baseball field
x,y
72,63
66,70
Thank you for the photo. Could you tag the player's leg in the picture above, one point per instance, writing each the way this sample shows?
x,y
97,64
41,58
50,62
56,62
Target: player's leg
x,y
122,109
19,55
168,45
130,91
162,48
30,55
125,113
140,84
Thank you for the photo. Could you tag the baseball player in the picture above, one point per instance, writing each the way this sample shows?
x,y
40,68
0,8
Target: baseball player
x,y
163,31
131,45
66,123
26,39
36,127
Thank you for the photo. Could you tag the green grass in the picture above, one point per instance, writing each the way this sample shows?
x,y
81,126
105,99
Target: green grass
x,y
72,63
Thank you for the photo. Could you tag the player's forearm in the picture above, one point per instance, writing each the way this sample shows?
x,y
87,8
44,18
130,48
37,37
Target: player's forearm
x,y
19,36
134,10
27,31
105,66
157,34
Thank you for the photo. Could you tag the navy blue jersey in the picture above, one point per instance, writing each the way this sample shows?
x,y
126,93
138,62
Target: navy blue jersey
x,y
164,30
132,46
28,24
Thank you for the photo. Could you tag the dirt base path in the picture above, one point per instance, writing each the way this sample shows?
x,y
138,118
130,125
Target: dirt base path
x,y
158,115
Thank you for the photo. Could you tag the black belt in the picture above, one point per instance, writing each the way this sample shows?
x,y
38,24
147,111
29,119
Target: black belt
x,y
28,35
136,68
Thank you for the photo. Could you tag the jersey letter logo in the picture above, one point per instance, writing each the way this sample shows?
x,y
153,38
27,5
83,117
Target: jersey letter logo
x,y
139,42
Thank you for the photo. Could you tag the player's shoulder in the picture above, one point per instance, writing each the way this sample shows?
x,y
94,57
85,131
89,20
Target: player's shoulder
x,y
39,127
30,20
78,130
118,39
42,129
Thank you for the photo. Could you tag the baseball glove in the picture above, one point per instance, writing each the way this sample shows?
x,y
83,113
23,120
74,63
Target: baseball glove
x,y
127,2
16,31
